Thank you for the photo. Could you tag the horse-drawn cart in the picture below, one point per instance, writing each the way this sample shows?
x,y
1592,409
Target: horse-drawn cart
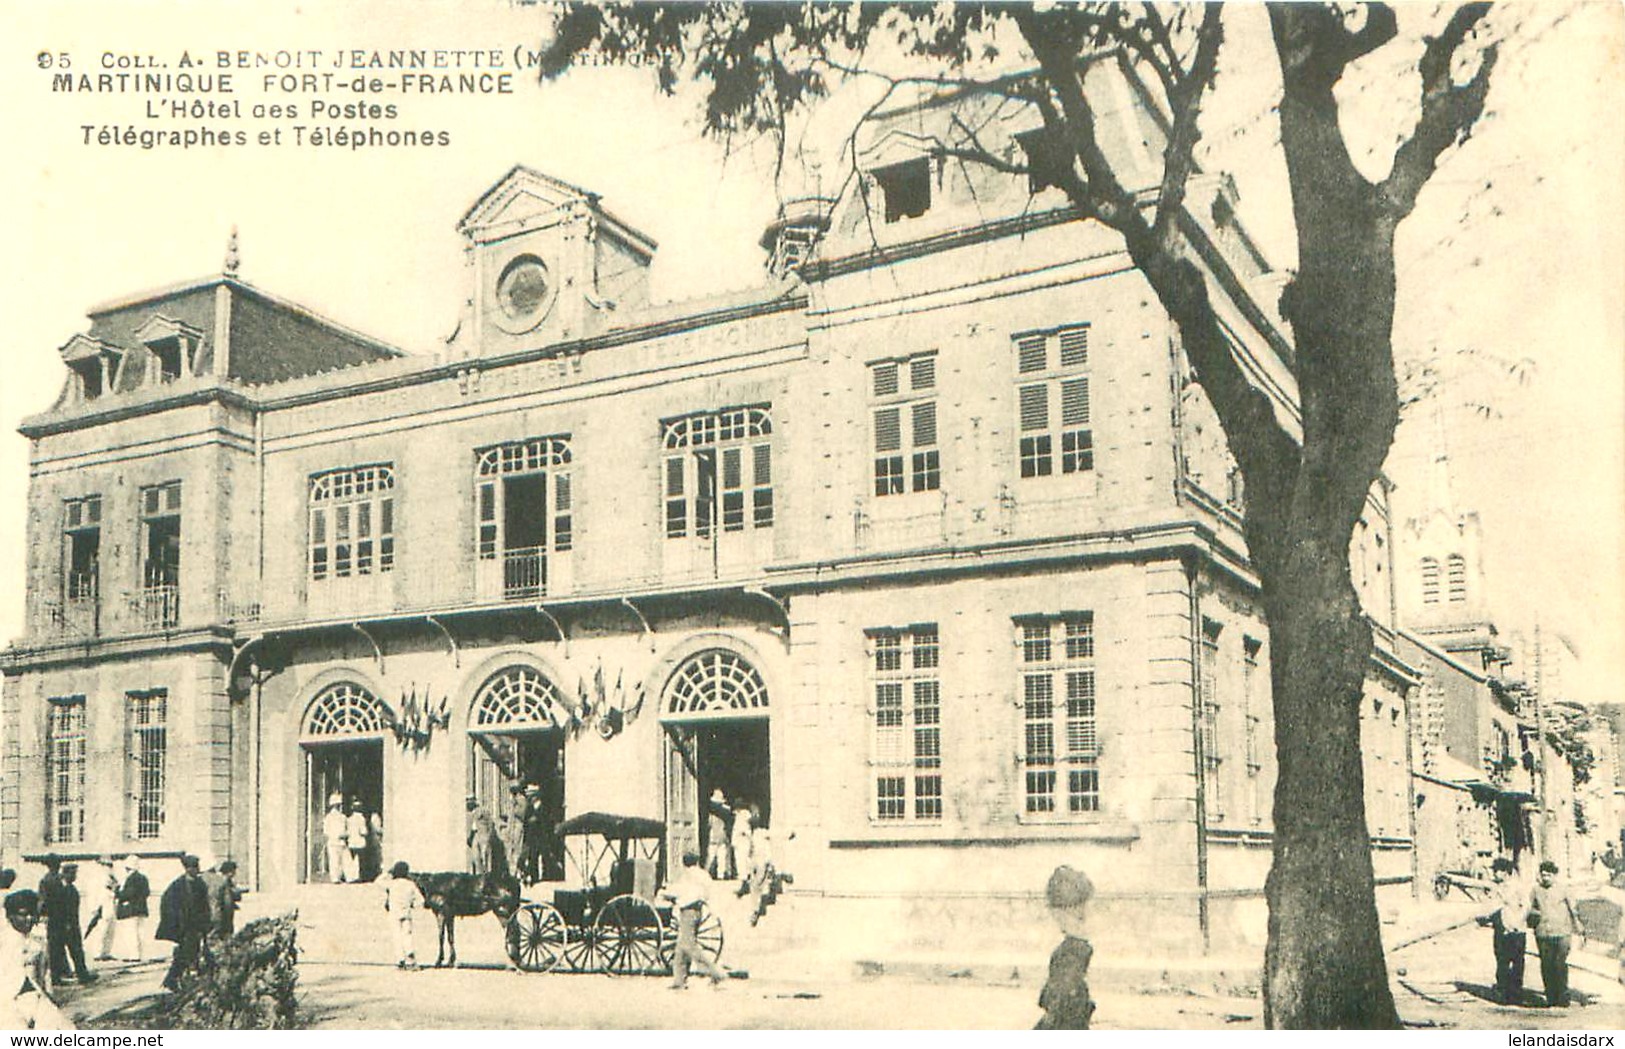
x,y
613,922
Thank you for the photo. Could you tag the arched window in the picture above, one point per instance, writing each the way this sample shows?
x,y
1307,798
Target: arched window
x,y
517,697
346,709
1430,581
1456,577
715,681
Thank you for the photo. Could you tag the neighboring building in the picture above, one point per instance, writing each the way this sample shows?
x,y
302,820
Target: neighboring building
x,y
926,548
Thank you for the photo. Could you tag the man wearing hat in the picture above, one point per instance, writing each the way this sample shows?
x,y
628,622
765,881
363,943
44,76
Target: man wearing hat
x,y
336,836
534,834
60,897
183,919
1552,917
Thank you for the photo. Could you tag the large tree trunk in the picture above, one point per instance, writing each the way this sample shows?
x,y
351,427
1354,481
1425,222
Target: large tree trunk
x,y
1324,966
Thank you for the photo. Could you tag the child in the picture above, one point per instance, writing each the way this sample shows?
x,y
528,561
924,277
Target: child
x,y
1065,997
401,898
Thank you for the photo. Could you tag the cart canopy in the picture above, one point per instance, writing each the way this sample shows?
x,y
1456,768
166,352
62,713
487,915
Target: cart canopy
x,y
612,827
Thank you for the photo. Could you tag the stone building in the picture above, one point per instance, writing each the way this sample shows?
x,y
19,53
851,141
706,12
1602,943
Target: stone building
x,y
926,548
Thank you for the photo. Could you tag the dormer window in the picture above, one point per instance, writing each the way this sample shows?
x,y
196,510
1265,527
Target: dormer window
x,y
170,360
1048,159
905,188
94,365
172,344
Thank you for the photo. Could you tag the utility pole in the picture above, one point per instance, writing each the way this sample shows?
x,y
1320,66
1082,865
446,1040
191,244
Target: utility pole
x,y
1542,778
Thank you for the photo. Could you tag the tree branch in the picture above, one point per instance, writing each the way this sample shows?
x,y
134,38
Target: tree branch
x,y
1178,158
1449,110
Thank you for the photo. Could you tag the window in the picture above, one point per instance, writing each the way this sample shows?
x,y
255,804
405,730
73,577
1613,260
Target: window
x,y
352,522
1456,577
907,723
1430,581
1048,159
161,555
1212,752
1060,737
81,542
65,770
718,458
147,718
523,509
906,453
905,188
1052,392
1250,648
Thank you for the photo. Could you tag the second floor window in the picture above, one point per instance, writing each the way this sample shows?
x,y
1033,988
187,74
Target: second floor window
x,y
161,554
148,720
1052,389
352,522
65,770
905,416
523,509
718,471
82,543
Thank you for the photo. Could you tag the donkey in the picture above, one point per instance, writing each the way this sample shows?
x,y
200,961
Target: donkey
x,y
453,894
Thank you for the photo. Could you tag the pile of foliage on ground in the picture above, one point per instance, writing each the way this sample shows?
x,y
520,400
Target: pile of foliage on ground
x,y
247,984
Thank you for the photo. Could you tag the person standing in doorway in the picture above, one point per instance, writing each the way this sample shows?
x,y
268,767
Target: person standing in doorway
x,y
743,842
533,831
131,908
1552,917
719,820
1511,910
335,836
482,838
356,834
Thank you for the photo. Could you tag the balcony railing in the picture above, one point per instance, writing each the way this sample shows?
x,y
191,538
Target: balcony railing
x,y
234,607
524,572
160,606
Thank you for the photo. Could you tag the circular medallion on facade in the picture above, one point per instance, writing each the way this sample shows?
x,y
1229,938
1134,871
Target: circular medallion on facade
x,y
524,293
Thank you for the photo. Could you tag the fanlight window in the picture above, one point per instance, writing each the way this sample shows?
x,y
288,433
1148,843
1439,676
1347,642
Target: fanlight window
x,y
715,682
516,697
346,709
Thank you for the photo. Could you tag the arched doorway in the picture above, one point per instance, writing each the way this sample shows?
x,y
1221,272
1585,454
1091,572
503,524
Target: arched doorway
x,y
715,713
343,744
516,767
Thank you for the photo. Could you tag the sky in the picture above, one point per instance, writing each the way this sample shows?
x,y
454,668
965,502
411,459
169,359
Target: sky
x,y
1511,275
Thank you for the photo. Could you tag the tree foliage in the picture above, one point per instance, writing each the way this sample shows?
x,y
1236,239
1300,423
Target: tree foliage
x,y
1308,467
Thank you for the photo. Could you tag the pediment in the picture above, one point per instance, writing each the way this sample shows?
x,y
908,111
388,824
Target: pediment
x,y
83,347
159,328
521,198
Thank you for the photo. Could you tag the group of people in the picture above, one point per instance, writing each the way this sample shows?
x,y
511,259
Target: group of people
x,y
521,841
354,840
1545,909
739,847
115,899
196,907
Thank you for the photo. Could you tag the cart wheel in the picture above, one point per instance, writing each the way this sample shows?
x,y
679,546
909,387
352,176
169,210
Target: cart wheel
x,y
708,932
537,938
629,937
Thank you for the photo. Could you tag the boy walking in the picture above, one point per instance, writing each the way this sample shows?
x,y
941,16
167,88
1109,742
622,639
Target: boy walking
x,y
1065,997
688,895
401,898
